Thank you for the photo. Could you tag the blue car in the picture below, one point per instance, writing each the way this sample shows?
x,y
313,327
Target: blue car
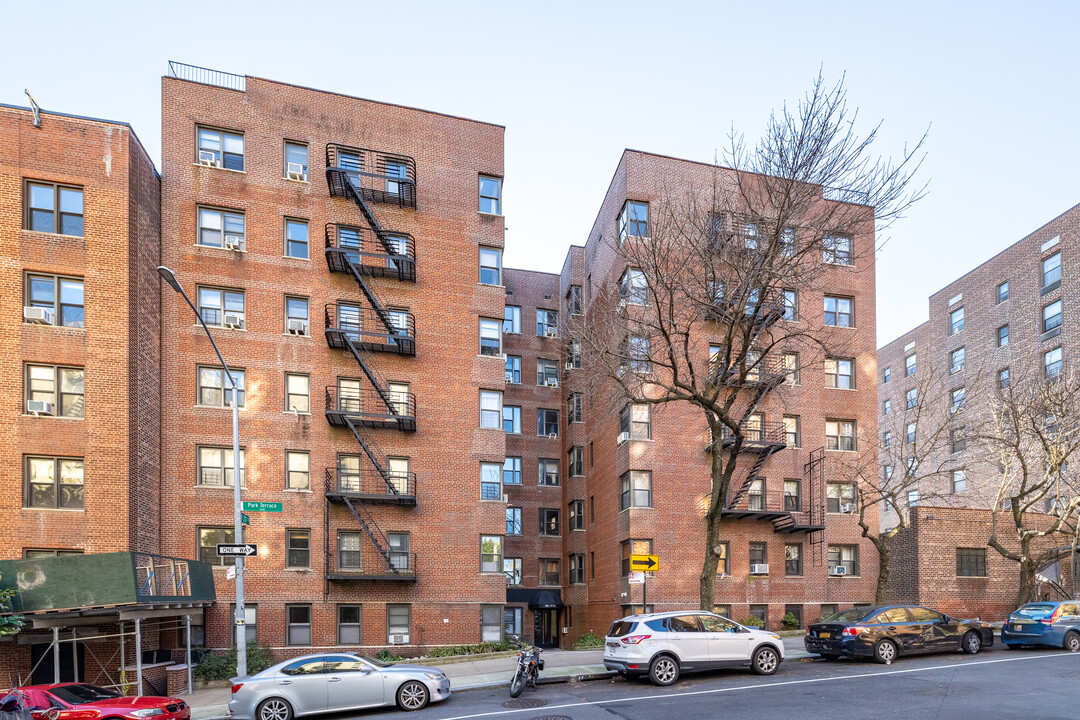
x,y
1056,624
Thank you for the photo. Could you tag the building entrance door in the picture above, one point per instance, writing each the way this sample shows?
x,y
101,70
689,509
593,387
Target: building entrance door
x,y
546,628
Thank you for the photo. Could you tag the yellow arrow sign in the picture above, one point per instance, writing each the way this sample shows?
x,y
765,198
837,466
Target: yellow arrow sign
x,y
649,563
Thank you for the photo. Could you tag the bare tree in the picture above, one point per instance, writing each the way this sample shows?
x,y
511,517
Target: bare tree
x,y
712,261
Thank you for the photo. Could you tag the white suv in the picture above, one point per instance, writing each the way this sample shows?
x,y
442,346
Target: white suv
x,y
667,644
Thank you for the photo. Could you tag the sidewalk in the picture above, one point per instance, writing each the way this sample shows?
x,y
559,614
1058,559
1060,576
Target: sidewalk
x,y
559,666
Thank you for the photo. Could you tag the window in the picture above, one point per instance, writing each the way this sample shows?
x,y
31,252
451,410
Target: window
x,y
1051,269
547,372
216,390
548,471
217,303
913,497
910,365
53,482
512,471
349,554
957,440
547,323
490,481
491,625
490,195
956,360
512,319
636,486
956,321
298,548
886,376
490,266
886,439
209,539
838,311
512,618
297,393
547,422
512,570
633,287
577,569
886,407
888,473
846,556
633,547
63,295
490,409
911,399
1051,316
574,304
575,408
1052,362
956,399
959,481
221,228
791,305
639,354
577,515
1003,336
511,415
792,435
759,553
722,566
491,553
792,495
221,148
296,161
788,242
1003,292
577,461
791,367
513,521
61,387
573,354
297,470
1003,378
837,250
750,236
399,544
394,169
491,339
971,562
549,572
839,495
513,369
296,238
54,208
793,560
761,612
755,496
549,522
910,432
296,315
636,420
839,374
398,620
633,220
216,466
348,625
33,553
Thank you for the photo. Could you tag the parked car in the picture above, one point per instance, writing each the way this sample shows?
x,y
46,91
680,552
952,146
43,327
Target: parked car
x,y
81,701
665,645
331,683
1044,623
889,631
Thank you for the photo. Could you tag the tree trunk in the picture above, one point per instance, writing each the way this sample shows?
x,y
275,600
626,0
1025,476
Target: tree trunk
x,y
884,559
717,499
1028,585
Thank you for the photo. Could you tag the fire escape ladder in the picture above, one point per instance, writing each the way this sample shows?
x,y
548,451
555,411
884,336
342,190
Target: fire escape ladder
x,y
376,382
814,471
341,183
372,451
754,474
380,311
373,532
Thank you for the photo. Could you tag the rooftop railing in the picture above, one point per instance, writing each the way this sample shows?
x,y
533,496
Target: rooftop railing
x,y
206,76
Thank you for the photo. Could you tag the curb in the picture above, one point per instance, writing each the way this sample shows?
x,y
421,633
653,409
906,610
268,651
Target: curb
x,y
553,680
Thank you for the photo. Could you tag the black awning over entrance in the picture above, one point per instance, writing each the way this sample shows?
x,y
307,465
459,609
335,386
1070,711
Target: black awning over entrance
x,y
536,599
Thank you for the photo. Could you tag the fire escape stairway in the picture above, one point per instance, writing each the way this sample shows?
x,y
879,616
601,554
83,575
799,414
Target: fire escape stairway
x,y
755,473
814,471
376,382
372,452
372,531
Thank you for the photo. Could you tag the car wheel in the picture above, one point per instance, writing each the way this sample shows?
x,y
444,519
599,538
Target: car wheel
x,y
885,651
274,709
830,656
765,661
412,695
664,670
1072,641
972,643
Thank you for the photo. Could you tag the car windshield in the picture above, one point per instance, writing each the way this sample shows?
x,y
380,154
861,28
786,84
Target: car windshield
x,y
848,616
620,628
373,661
1039,609
75,694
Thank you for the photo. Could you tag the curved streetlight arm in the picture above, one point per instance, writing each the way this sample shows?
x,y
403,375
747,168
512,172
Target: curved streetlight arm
x,y
168,276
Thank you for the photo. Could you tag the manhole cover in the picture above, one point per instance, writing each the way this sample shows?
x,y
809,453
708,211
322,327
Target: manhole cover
x,y
525,703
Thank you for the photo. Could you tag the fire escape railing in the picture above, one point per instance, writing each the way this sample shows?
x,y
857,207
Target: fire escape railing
x,y
359,246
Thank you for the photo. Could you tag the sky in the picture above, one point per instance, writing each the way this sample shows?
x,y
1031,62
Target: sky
x,y
577,82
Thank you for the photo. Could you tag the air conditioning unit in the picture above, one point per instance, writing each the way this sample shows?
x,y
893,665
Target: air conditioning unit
x,y
837,570
298,327
399,639
553,436
209,159
39,315
623,437
234,321
847,508
505,498
234,242
295,171
762,569
551,334
568,366
551,382
40,407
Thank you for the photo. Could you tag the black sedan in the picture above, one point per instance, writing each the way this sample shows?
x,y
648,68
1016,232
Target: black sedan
x,y
886,632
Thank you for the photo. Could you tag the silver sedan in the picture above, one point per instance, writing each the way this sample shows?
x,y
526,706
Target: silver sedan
x,y
329,683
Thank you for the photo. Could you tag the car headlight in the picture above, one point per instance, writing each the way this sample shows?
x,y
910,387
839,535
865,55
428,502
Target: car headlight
x,y
775,637
148,712
433,676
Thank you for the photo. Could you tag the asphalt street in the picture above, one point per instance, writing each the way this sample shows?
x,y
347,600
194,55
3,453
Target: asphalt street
x,y
1038,684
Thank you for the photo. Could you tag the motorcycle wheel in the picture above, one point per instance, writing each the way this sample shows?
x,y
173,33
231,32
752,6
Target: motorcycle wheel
x,y
517,685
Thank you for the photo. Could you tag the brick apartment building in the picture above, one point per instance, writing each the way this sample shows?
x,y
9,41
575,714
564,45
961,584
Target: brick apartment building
x,y
1001,322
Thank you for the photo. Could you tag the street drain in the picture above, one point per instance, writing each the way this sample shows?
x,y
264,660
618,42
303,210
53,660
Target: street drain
x,y
525,703
552,717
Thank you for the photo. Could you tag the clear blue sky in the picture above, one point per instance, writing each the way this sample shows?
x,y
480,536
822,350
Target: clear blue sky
x,y
577,82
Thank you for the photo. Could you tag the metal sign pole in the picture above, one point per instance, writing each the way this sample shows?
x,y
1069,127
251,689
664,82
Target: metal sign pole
x,y
56,654
187,660
644,595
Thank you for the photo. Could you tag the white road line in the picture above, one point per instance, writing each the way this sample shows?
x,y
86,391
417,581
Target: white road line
x,y
668,696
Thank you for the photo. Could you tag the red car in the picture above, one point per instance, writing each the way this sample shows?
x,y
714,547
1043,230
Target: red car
x,y
80,701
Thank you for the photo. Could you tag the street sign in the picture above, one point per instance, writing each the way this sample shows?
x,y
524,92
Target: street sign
x,y
260,506
245,518
637,578
236,549
650,563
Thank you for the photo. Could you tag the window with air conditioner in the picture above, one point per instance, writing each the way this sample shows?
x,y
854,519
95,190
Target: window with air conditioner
x,y
846,557
839,497
297,315
55,391
221,307
547,422
547,323
296,161
513,369
547,372
221,228
398,623
54,300
635,421
759,558
220,148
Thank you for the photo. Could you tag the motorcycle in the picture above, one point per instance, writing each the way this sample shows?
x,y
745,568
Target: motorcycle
x,y
529,665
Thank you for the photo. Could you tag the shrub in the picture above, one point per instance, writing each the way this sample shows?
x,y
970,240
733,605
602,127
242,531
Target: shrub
x,y
386,656
790,622
590,640
222,665
484,647
751,621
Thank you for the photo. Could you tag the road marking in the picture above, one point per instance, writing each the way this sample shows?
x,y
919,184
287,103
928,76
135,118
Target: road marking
x,y
689,693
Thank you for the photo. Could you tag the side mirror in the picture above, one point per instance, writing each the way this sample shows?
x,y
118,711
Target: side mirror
x,y
52,713
366,670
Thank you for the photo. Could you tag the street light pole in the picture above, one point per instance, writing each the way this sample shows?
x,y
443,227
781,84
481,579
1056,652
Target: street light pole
x,y
238,528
